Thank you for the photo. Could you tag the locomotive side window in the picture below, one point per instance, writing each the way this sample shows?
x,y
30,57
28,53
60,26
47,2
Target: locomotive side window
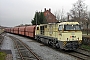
x,y
37,28
45,26
60,27
42,30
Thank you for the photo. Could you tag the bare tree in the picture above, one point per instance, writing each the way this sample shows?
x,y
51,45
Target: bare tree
x,y
88,20
79,11
89,16
57,14
60,15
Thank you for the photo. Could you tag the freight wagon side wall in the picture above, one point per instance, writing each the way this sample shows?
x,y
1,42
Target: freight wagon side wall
x,y
9,30
12,30
22,30
30,31
6,29
16,30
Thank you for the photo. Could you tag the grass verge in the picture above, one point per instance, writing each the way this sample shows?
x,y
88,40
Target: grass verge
x,y
2,56
87,47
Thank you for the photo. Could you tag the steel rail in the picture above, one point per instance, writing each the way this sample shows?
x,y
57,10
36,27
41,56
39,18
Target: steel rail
x,y
27,48
30,50
17,48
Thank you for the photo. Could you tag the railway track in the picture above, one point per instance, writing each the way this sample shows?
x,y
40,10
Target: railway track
x,y
84,49
24,51
81,54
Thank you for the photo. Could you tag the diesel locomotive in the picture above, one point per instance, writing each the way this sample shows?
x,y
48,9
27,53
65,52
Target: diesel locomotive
x,y
64,35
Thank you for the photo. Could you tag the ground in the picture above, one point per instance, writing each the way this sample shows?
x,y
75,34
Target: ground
x,y
45,52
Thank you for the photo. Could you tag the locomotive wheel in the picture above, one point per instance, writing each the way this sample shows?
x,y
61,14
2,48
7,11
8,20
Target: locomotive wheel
x,y
54,45
49,43
57,45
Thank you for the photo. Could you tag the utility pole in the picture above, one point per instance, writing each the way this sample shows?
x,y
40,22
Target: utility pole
x,y
87,27
36,17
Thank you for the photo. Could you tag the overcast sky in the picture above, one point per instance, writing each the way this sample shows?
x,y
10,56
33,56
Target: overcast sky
x,y
15,12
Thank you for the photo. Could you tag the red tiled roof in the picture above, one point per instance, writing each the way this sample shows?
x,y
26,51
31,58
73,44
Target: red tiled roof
x,y
49,16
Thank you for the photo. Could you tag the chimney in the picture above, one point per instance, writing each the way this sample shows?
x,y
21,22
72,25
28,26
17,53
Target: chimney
x,y
45,9
49,10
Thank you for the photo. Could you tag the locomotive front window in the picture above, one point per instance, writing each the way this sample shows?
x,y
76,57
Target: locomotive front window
x,y
72,27
60,27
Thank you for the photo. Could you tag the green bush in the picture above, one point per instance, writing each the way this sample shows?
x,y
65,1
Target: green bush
x,y
86,47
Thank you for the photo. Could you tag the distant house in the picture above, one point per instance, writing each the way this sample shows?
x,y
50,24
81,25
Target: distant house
x,y
50,18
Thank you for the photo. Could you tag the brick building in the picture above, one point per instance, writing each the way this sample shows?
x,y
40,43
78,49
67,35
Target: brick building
x,y
50,18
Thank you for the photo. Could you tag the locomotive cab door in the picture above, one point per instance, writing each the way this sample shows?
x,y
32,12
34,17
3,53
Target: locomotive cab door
x,y
42,30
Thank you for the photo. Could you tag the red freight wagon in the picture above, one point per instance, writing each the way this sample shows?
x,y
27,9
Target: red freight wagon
x,y
12,30
22,30
30,31
6,29
16,30
9,30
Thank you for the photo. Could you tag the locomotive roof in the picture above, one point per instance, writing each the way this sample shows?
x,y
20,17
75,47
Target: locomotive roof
x,y
69,23
60,23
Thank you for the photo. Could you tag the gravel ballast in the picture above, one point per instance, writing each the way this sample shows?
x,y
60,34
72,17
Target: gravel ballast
x,y
45,52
